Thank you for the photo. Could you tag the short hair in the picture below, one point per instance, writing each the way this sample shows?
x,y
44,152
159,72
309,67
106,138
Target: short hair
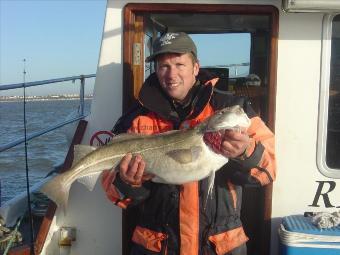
x,y
193,58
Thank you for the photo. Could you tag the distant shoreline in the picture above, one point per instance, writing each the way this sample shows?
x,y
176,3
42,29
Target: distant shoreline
x,y
42,98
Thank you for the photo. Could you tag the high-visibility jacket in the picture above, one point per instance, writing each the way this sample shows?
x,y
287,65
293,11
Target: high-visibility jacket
x,y
172,218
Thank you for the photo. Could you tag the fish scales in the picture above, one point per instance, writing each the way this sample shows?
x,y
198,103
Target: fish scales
x,y
147,146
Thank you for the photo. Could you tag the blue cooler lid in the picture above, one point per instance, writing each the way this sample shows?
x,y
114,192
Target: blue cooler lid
x,y
301,224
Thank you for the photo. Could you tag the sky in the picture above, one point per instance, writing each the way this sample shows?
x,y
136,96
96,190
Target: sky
x,y
57,38
224,49
61,38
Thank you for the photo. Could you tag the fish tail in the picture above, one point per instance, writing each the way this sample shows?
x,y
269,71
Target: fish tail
x,y
57,190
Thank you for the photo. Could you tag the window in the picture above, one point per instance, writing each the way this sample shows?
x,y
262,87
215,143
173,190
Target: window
x,y
229,50
329,121
234,47
222,50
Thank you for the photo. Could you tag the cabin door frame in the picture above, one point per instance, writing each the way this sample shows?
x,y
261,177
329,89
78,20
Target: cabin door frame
x,y
133,75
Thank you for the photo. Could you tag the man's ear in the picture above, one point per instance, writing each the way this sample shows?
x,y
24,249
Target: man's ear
x,y
196,68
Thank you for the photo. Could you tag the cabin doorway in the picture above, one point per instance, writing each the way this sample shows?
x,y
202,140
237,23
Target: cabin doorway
x,y
246,37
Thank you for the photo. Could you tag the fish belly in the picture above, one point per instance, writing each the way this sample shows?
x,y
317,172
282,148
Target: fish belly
x,y
170,171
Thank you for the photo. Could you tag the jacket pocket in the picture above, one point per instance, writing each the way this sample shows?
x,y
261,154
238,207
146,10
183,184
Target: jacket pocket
x,y
149,239
229,240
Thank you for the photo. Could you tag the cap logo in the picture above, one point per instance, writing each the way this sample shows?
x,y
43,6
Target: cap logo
x,y
166,39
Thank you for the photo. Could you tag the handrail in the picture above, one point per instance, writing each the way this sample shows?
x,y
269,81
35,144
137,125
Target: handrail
x,y
43,82
80,115
39,133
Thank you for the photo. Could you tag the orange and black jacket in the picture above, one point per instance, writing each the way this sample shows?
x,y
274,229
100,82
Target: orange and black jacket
x,y
173,218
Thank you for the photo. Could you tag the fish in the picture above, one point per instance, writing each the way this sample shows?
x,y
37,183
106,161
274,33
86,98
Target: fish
x,y
173,157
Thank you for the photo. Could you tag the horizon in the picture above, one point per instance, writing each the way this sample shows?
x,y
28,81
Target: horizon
x,y
49,95
30,29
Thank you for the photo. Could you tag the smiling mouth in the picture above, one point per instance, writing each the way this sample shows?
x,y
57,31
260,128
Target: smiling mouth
x,y
172,85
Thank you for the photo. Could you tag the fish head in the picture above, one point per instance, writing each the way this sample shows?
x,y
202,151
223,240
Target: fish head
x,y
227,118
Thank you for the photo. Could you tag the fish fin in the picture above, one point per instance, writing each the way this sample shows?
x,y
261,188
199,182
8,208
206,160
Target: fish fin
x,y
211,181
81,151
89,180
184,156
56,190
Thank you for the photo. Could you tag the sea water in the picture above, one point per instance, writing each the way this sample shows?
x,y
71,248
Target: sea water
x,y
44,152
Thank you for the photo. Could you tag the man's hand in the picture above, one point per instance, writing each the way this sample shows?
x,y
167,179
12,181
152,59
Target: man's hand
x,y
231,144
234,143
131,170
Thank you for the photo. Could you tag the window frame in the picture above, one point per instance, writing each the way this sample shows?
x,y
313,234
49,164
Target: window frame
x,y
326,55
132,31
260,228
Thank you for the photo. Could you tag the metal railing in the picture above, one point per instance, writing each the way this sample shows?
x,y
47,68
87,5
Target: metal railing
x,y
81,114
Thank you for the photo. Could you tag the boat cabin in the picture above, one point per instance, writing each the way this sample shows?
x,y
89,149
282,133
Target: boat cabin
x,y
290,58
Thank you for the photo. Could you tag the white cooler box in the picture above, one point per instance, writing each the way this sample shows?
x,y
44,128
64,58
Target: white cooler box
x,y
299,236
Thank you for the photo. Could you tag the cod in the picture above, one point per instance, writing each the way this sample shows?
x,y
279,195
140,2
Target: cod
x,y
173,157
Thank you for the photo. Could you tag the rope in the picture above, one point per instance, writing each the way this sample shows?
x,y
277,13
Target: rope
x,y
326,220
14,235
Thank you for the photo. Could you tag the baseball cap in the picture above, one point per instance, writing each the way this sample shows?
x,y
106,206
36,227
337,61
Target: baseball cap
x,y
178,42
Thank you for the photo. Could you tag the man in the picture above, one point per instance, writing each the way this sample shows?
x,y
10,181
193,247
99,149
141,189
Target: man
x,y
173,219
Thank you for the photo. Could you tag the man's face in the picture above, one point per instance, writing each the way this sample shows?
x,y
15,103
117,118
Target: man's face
x,y
176,74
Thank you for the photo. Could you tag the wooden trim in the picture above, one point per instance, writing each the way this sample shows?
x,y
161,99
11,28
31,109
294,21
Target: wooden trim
x,y
139,69
21,250
45,225
134,9
128,34
77,138
268,190
199,8
273,69
44,228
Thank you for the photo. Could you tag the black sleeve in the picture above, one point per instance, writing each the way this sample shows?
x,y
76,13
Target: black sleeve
x,y
137,194
241,167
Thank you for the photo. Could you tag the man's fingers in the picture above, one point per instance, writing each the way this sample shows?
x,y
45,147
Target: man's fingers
x,y
131,169
227,148
124,163
133,166
234,143
234,135
140,170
